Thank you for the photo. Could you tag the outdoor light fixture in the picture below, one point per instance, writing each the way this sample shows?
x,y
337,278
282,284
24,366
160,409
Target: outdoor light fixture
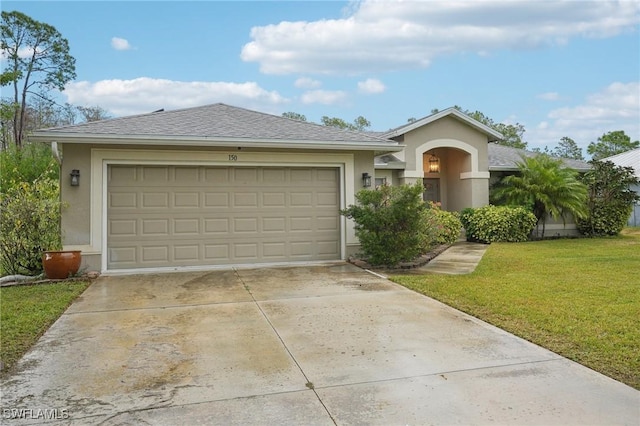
x,y
434,164
366,180
75,177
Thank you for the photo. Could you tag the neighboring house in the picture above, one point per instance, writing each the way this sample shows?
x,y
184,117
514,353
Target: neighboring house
x,y
630,159
218,185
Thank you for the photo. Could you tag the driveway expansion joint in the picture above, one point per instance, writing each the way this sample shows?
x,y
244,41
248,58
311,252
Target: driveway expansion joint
x,y
286,348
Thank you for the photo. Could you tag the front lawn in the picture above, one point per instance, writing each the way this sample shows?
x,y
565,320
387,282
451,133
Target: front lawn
x,y
577,297
27,311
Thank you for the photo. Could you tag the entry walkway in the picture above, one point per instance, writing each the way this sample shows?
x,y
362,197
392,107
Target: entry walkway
x,y
461,258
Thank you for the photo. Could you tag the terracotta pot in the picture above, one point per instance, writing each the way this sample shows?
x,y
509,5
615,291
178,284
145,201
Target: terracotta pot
x,y
61,264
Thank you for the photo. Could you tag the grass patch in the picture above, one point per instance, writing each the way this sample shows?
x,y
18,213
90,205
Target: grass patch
x,y
577,297
27,311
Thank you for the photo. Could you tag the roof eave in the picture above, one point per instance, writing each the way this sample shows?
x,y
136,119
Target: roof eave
x,y
102,139
399,165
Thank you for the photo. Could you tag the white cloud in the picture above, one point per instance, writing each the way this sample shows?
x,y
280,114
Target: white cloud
x,y
307,83
392,35
141,95
549,96
325,97
371,86
120,43
616,107
23,52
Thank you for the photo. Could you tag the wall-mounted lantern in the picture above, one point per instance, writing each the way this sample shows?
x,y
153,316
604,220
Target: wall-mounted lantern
x,y
75,177
366,180
434,164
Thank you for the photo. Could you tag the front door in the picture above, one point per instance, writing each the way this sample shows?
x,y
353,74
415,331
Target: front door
x,y
431,190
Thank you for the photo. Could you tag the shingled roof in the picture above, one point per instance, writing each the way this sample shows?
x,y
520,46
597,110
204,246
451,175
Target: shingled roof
x,y
217,122
506,158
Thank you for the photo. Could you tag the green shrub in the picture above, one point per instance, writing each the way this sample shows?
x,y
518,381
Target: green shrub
x,y
29,225
610,199
391,223
465,218
33,161
446,225
29,207
498,224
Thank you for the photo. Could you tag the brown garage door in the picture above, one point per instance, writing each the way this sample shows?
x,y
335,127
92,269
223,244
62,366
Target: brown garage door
x,y
171,216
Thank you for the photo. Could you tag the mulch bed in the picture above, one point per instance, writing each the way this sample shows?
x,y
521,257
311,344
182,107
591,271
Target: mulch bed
x,y
416,263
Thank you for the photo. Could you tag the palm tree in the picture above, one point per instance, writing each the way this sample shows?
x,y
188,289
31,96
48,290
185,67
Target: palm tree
x,y
547,187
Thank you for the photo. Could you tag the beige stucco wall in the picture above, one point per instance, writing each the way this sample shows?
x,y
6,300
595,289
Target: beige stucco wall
x,y
81,232
76,212
464,161
386,174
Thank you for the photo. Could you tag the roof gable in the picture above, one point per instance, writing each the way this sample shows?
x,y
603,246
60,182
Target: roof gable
x,y
449,112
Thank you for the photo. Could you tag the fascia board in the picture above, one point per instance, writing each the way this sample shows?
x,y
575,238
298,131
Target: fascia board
x,y
212,142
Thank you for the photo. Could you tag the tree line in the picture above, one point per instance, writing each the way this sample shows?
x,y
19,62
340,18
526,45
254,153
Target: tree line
x,y
611,143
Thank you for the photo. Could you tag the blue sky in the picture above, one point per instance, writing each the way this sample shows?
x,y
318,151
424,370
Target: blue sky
x,y
560,68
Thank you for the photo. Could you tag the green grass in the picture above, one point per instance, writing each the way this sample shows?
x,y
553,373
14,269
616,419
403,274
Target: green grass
x,y
27,311
577,297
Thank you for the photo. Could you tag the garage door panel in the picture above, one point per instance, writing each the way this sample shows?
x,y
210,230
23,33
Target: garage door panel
x,y
274,176
155,254
274,199
226,216
154,200
245,199
124,175
301,199
186,226
327,199
327,223
277,251
123,255
187,175
186,199
216,199
326,175
123,200
216,226
274,224
245,225
155,175
245,175
186,252
123,227
156,227
302,175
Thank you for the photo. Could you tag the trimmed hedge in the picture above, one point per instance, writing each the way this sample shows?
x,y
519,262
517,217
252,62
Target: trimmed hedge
x,y
447,225
491,224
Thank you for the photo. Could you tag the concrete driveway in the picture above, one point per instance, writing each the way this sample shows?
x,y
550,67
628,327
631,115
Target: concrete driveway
x,y
312,345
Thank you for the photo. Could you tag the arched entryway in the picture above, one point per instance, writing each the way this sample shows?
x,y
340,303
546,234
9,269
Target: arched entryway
x,y
451,175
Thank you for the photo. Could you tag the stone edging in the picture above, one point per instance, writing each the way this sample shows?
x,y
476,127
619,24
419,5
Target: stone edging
x,y
416,263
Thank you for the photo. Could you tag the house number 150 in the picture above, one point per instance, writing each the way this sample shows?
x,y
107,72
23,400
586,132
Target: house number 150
x,y
233,157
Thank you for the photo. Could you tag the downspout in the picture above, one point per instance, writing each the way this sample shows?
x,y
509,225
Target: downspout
x,y
56,154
